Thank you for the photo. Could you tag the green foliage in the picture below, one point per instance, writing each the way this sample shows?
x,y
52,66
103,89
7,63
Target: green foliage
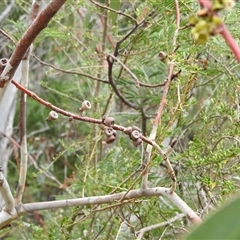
x,y
201,112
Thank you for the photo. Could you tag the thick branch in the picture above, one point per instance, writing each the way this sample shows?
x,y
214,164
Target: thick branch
x,y
132,194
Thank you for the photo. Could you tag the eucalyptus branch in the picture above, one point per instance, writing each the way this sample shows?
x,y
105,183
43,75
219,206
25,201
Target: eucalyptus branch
x,y
69,114
133,194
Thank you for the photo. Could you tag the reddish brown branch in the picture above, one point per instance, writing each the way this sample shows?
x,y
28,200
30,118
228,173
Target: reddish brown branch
x,y
32,32
164,96
230,41
56,109
177,13
69,114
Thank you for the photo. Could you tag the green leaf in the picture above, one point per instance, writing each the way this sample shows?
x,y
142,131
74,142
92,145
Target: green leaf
x,y
222,225
114,4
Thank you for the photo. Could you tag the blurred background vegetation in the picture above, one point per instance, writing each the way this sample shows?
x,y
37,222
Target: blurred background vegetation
x,y
71,159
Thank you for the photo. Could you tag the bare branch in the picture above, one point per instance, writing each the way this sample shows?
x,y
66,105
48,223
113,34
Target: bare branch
x,y
133,194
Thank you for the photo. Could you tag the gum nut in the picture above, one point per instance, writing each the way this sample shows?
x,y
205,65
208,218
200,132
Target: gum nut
x,y
137,142
110,139
52,116
86,105
109,131
109,121
135,134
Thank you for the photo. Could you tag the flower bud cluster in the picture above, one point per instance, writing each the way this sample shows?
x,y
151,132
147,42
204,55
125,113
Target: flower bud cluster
x,y
204,25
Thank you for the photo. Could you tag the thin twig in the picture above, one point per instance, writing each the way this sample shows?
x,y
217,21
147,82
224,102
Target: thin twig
x,y
127,69
8,36
113,10
69,114
114,87
69,71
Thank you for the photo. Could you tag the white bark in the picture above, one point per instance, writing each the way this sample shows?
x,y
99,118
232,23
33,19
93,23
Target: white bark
x,y
7,113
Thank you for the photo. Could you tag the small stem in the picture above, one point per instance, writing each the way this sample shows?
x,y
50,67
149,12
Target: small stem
x,y
127,69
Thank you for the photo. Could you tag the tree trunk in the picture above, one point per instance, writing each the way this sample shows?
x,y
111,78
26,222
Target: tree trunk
x,y
7,113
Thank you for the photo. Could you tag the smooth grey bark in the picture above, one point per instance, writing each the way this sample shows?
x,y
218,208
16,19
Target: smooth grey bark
x,y
7,113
